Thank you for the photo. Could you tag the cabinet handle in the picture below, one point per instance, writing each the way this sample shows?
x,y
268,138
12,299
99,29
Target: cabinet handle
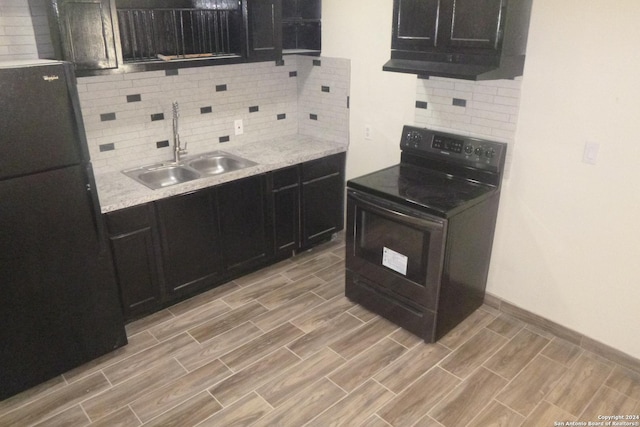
x,y
321,178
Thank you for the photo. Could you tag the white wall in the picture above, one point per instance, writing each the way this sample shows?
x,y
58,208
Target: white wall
x,y
361,31
568,237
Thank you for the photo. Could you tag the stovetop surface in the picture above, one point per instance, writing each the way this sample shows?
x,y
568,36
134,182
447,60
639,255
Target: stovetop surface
x,y
433,192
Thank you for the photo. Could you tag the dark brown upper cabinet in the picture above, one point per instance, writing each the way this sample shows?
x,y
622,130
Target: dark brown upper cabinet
x,y
83,33
264,29
466,39
301,26
106,36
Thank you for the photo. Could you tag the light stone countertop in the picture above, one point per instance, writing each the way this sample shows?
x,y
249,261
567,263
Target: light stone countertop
x,y
118,191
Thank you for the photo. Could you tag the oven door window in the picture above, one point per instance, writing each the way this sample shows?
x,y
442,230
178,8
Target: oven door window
x,y
393,245
395,248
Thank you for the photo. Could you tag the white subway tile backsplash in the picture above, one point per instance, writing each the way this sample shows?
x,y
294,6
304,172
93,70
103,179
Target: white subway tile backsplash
x,y
486,109
278,95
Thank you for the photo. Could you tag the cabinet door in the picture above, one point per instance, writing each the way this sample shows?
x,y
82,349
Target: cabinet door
x,y
243,228
472,23
188,236
285,199
322,203
415,24
87,34
136,272
135,250
264,30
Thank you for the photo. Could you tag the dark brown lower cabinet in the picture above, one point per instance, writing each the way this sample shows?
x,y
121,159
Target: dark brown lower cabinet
x,y
188,226
284,186
174,248
322,199
135,253
244,234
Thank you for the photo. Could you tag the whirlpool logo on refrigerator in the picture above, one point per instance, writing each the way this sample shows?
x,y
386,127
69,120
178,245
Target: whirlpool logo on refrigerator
x,y
50,78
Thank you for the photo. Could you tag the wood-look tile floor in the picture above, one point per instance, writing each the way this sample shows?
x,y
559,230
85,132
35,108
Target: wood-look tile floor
x,y
284,347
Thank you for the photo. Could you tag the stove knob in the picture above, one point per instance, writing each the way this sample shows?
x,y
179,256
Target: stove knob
x,y
468,149
478,151
490,153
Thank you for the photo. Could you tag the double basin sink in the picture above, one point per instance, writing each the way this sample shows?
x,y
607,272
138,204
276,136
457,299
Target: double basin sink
x,y
161,175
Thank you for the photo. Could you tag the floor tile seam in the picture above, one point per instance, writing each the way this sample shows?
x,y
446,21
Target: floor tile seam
x,y
325,345
602,386
113,362
37,397
129,402
214,336
253,298
200,306
375,415
195,325
274,350
372,374
567,372
252,364
293,319
201,422
160,359
373,378
565,367
175,404
306,274
515,410
410,384
476,416
372,344
307,388
442,398
481,364
55,412
297,315
151,325
346,396
551,404
264,275
487,322
489,400
539,353
620,391
342,362
522,325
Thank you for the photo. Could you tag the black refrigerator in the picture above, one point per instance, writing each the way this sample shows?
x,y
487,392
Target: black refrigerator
x,y
59,303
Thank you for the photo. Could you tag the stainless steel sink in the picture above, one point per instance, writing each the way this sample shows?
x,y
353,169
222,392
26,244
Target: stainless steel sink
x,y
162,175
218,162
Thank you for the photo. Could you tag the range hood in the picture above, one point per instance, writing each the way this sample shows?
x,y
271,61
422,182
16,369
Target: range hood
x,y
508,68
470,40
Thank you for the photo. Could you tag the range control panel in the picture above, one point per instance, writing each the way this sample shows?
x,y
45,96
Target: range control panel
x,y
475,152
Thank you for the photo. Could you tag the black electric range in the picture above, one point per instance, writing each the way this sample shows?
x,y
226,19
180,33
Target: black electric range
x,y
420,233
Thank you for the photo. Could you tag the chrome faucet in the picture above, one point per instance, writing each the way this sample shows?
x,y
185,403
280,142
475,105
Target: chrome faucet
x,y
177,149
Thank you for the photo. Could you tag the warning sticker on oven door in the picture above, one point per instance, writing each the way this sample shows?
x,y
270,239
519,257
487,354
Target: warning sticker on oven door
x,y
394,260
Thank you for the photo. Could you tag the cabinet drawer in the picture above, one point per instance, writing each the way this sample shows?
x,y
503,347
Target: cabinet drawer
x,y
285,177
323,167
128,220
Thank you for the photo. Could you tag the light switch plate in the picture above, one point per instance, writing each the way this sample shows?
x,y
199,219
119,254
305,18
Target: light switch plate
x,y
590,155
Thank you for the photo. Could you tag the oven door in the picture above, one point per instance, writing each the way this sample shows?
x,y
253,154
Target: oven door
x,y
397,248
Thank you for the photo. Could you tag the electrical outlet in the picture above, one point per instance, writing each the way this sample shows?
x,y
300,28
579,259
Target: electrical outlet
x,y
238,127
367,131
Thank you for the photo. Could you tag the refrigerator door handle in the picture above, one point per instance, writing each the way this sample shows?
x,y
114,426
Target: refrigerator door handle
x,y
98,222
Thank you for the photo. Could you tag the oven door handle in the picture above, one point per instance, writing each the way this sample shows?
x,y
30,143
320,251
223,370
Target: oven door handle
x,y
418,221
